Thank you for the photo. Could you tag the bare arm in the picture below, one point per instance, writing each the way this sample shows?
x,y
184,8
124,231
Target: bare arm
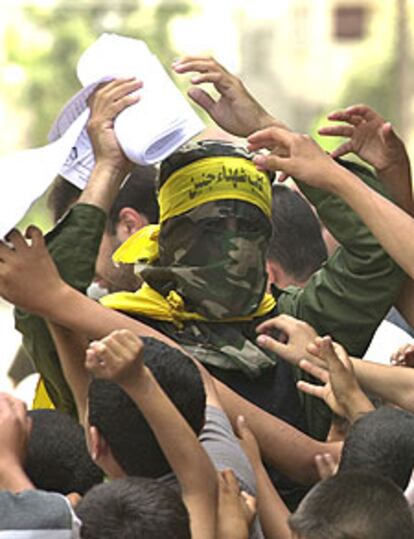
x,y
392,384
71,348
273,513
118,357
281,445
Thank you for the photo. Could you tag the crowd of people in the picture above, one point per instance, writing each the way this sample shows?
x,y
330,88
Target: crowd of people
x,y
198,330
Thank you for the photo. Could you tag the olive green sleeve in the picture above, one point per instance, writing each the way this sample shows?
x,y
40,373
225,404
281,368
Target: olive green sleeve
x,y
352,292
74,245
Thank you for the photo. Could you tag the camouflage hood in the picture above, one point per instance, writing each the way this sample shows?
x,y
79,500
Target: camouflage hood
x,y
214,256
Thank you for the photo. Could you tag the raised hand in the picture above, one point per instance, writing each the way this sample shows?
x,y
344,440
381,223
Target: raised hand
x,y
28,276
369,136
235,111
117,357
341,390
296,155
106,103
287,337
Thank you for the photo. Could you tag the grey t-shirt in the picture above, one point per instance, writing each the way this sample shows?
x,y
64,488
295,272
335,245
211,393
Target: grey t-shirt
x,y
224,450
35,514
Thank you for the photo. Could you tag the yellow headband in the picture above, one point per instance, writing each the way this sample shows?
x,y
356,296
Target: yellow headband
x,y
214,178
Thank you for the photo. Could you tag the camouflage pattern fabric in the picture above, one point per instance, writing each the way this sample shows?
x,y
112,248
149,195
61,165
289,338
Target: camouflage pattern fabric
x,y
214,256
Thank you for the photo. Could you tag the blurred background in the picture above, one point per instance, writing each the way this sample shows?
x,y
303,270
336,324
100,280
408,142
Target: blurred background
x,y
300,58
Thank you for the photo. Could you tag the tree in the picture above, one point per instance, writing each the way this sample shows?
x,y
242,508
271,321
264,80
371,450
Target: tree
x,y
63,32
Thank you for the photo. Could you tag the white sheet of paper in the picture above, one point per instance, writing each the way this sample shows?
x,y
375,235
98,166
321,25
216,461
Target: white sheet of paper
x,y
27,174
148,131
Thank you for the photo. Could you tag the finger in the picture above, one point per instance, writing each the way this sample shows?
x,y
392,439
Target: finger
x,y
328,354
314,370
198,64
6,252
231,480
283,177
270,134
250,502
16,239
114,348
344,116
268,343
241,426
121,104
202,98
36,236
337,130
343,149
310,389
283,321
130,345
118,88
271,162
325,465
389,134
209,77
364,112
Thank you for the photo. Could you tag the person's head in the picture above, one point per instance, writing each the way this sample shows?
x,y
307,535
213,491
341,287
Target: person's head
x,y
120,439
133,507
353,505
215,209
381,442
57,456
135,206
296,248
61,197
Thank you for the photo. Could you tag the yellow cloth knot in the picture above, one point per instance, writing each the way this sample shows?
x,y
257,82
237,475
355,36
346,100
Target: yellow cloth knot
x,y
175,301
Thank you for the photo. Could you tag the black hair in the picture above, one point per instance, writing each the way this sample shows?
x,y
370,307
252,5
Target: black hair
x,y
354,505
133,507
61,197
57,456
122,424
381,442
296,242
139,193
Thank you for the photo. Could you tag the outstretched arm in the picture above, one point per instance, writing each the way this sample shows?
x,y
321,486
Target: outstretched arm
x,y
236,110
281,445
118,357
30,280
272,511
305,160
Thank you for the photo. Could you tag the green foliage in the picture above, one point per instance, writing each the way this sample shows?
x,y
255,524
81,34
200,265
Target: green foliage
x,y
59,35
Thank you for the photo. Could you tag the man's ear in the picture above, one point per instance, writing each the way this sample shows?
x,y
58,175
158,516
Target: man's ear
x,y
97,444
129,222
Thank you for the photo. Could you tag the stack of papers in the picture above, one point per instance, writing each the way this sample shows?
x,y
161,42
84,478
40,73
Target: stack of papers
x,y
148,131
